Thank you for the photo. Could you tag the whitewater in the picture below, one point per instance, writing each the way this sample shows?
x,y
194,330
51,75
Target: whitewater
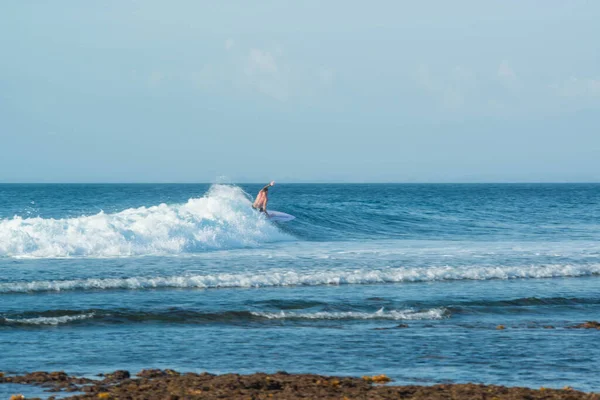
x,y
222,219
307,278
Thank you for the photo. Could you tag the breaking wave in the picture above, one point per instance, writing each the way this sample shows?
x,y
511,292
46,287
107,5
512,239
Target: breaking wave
x,y
307,278
64,319
124,316
222,219
436,313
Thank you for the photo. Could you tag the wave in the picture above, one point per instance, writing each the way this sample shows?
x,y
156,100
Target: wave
x,y
64,317
273,278
409,314
531,302
45,320
222,219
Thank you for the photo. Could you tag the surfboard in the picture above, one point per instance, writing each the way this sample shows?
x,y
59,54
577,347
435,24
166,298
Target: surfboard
x,y
278,216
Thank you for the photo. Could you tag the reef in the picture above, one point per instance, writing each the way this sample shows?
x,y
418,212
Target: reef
x,y
154,384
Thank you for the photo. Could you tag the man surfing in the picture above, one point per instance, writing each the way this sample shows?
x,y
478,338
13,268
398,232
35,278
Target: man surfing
x,y
262,198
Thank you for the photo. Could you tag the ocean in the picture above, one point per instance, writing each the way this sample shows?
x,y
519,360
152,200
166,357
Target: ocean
x,y
408,280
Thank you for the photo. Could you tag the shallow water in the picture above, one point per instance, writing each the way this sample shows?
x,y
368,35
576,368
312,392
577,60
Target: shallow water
x,y
95,278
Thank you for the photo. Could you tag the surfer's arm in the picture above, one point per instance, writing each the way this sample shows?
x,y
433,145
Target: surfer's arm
x,y
268,186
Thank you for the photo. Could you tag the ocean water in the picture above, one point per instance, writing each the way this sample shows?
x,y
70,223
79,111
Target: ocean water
x,y
95,278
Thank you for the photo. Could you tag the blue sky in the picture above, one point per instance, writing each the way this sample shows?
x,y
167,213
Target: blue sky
x,y
311,91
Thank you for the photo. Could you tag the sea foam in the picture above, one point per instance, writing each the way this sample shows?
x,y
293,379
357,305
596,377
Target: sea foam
x,y
64,319
278,277
409,314
222,219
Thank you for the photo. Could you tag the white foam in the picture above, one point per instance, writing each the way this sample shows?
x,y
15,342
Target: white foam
x,y
435,313
279,277
50,320
222,219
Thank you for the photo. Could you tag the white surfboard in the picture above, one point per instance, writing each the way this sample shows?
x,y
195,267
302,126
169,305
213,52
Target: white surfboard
x,y
278,216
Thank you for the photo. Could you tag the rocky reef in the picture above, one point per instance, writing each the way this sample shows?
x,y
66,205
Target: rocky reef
x,y
154,384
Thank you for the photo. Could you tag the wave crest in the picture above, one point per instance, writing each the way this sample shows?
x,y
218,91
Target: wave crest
x,y
221,219
275,278
128,316
64,319
396,315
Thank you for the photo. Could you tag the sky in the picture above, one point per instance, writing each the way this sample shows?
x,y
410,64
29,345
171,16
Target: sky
x,y
300,91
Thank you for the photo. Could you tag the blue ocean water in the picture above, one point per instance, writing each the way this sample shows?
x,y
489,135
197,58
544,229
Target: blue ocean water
x,y
95,278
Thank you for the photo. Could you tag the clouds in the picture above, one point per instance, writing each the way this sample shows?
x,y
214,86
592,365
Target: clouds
x,y
264,71
155,78
451,89
505,72
262,61
424,79
238,69
335,77
266,75
574,87
501,91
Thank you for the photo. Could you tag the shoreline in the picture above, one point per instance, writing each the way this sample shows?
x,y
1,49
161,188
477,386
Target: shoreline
x,y
154,384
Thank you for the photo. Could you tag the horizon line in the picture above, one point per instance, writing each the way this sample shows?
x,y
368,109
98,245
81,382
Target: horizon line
x,y
308,183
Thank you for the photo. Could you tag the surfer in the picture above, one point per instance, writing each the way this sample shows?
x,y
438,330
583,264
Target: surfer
x,y
262,198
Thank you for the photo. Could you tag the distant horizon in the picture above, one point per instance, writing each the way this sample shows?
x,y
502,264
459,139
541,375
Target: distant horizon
x,y
312,183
